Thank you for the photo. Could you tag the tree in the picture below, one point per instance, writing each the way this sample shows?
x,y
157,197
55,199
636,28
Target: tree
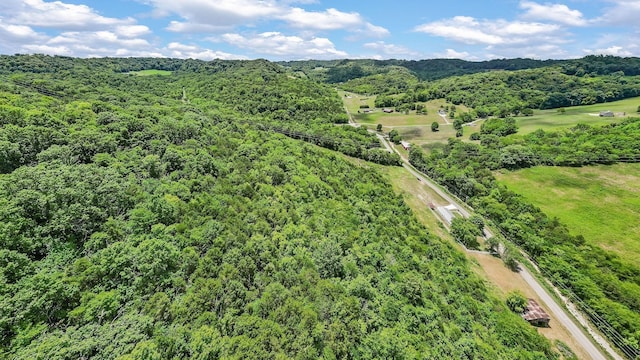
x,y
379,128
394,136
527,112
434,126
516,302
638,109
465,232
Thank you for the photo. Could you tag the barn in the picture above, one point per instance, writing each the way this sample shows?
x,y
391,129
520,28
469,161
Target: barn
x,y
535,315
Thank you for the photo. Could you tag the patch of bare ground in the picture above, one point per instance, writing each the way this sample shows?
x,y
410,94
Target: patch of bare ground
x,y
503,281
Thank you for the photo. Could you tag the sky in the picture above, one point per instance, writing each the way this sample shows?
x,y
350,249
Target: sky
x,y
321,29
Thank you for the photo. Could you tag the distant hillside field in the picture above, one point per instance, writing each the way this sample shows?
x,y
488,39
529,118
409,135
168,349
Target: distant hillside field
x,y
600,202
553,119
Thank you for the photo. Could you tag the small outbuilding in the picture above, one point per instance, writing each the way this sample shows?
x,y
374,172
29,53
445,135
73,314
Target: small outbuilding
x,y
387,110
405,145
607,113
535,315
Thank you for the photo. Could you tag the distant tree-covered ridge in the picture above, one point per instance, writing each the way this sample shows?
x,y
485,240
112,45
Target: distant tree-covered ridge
x,y
336,71
498,87
151,218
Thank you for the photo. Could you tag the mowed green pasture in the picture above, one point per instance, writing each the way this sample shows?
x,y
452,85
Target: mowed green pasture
x,y
554,119
600,202
415,128
151,72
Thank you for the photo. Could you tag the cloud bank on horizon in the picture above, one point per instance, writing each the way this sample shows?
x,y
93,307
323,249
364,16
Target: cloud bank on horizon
x,y
320,29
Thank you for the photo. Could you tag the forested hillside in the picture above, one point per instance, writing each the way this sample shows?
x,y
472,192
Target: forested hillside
x,y
337,71
491,88
165,217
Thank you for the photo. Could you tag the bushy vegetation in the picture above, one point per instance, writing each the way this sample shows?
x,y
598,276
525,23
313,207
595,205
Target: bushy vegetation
x,y
150,217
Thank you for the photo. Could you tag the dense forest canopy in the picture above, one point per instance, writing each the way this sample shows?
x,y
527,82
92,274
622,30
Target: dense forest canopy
x,y
167,217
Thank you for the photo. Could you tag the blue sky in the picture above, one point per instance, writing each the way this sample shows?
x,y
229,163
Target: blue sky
x,y
321,29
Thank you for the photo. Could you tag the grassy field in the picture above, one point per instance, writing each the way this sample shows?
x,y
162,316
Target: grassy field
x,y
151,72
600,202
412,127
587,114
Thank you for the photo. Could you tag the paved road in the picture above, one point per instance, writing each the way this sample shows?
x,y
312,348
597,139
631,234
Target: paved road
x,y
559,314
556,311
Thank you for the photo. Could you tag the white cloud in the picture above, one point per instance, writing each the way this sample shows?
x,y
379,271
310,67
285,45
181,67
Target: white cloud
x,y
498,35
182,51
460,28
199,16
612,50
277,44
46,49
58,15
621,13
330,19
390,50
13,36
131,31
220,14
556,13
469,30
453,54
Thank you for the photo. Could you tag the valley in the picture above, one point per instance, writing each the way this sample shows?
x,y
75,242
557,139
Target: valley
x,y
166,208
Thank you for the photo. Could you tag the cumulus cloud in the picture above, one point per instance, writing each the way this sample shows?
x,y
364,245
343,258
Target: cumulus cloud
x,y
469,30
183,51
278,44
611,50
330,19
131,31
59,28
453,54
556,13
199,16
219,14
621,13
390,50
58,15
13,36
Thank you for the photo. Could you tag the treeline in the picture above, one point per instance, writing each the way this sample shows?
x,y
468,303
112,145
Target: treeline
x,y
137,224
337,71
600,278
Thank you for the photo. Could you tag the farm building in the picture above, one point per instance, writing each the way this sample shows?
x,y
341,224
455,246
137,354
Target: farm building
x,y
607,113
447,212
535,315
405,145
